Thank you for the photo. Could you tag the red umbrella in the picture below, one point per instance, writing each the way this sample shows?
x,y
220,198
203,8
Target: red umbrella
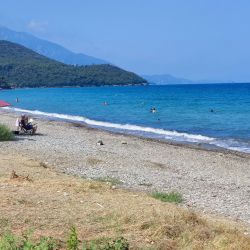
x,y
4,104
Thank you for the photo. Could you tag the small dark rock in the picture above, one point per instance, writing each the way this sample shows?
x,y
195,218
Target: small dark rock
x,y
100,143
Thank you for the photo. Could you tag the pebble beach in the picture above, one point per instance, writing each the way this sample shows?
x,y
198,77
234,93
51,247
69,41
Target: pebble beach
x,y
211,181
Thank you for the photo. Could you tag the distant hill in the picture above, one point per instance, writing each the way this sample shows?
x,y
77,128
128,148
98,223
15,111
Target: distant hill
x,y
22,67
48,49
166,79
4,84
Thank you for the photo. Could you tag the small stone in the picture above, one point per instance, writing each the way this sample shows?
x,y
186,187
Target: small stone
x,y
124,142
100,143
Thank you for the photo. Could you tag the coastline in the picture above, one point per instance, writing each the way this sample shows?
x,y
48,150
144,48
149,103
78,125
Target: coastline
x,y
211,181
158,134
78,86
194,145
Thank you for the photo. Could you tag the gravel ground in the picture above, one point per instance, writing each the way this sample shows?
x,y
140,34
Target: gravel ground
x,y
215,182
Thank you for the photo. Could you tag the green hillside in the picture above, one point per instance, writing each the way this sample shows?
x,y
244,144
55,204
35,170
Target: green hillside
x,y
22,67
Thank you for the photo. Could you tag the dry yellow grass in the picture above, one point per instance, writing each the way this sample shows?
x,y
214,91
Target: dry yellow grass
x,y
51,202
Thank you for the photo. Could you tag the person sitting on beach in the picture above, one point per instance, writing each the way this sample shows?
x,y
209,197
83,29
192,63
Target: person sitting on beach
x,y
24,123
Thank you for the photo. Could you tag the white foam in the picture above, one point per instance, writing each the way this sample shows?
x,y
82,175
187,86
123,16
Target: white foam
x,y
233,145
153,132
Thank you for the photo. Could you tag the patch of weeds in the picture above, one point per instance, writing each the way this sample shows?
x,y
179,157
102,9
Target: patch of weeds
x,y
73,242
5,133
119,244
106,244
95,244
46,243
174,197
10,242
111,180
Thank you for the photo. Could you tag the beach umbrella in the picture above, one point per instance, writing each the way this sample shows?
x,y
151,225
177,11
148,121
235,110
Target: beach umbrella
x,y
4,104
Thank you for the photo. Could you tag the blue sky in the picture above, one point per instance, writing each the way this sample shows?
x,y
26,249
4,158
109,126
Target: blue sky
x,y
194,39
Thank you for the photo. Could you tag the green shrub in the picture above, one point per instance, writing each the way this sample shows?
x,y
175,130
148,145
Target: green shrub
x,y
9,242
106,244
46,243
168,197
73,242
119,244
5,133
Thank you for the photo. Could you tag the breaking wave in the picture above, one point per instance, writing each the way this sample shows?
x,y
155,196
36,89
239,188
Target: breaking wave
x,y
145,131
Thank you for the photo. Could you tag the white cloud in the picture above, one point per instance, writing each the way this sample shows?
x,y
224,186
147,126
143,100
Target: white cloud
x,y
38,27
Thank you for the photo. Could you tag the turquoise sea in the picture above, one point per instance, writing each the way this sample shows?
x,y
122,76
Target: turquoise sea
x,y
215,115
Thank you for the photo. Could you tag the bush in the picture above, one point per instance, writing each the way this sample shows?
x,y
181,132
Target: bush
x,y
119,244
168,197
5,133
107,244
10,242
73,241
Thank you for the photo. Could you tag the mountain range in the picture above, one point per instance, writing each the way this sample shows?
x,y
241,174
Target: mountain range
x,y
165,79
22,67
47,48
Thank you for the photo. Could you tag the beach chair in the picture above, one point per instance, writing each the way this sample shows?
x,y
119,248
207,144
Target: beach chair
x,y
30,130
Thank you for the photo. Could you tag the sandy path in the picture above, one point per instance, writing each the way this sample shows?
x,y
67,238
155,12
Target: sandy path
x,y
214,182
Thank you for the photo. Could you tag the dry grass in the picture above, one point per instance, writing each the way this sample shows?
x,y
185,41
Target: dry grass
x,y
52,202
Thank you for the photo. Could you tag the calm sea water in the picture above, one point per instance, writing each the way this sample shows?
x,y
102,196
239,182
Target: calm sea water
x,y
183,111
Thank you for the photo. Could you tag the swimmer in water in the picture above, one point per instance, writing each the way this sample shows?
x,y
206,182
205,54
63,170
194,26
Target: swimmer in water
x,y
153,110
105,103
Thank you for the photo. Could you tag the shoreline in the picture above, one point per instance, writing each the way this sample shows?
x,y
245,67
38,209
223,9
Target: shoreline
x,y
113,130
163,141
211,181
86,86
